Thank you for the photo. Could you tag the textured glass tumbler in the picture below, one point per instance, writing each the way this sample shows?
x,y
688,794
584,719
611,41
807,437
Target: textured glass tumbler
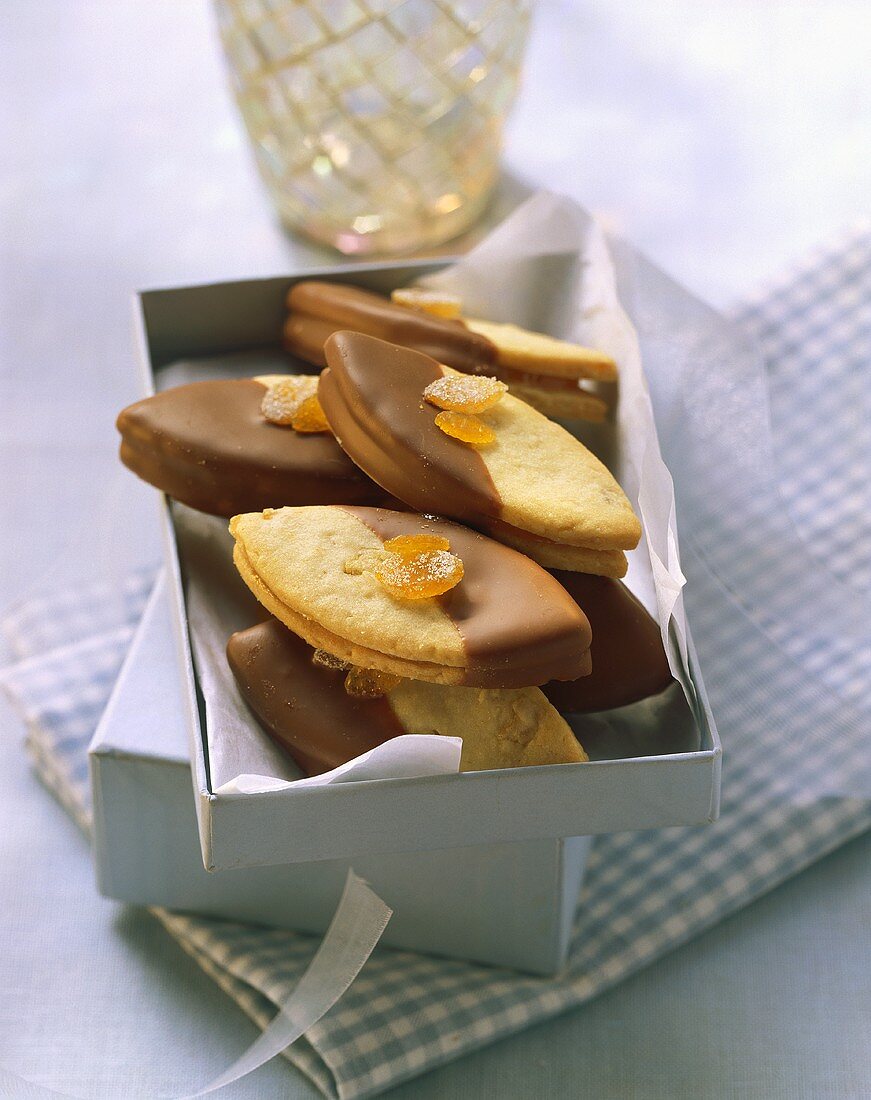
x,y
377,124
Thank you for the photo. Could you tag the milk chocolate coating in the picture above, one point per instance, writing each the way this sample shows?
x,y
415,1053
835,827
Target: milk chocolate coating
x,y
629,662
303,706
349,307
518,625
305,337
372,395
208,445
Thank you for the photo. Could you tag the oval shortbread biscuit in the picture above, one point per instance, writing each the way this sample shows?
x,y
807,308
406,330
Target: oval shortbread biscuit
x,y
535,487
544,371
522,350
305,708
508,623
209,445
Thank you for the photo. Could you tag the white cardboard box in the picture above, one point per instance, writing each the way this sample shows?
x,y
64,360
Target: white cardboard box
x,y
505,904
358,820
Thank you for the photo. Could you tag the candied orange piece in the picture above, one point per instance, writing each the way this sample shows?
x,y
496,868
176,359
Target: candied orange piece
x,y
468,393
309,417
419,577
407,546
370,683
329,660
282,399
428,301
466,428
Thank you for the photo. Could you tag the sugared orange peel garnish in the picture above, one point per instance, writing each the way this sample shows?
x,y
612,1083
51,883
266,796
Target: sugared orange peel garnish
x,y
293,402
465,427
417,567
465,393
441,305
370,683
284,397
406,546
309,417
365,683
461,397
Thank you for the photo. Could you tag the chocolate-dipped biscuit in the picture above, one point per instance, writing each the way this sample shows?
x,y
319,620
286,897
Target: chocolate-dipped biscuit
x,y
208,445
318,309
629,661
507,623
541,371
534,486
305,707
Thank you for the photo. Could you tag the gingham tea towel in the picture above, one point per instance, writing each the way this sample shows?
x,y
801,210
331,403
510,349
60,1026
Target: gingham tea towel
x,y
643,894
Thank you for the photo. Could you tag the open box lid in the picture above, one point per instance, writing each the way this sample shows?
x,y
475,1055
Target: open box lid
x,y
345,820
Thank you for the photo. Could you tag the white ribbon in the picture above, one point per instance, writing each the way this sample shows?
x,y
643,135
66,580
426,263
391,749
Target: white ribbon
x,y
354,931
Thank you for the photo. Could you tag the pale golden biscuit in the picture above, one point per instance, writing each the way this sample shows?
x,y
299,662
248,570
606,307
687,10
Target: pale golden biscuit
x,y
299,555
534,352
507,623
532,485
500,728
575,404
551,485
319,638
553,555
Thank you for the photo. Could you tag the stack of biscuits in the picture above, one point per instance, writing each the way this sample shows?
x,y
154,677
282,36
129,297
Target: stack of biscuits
x,y
436,555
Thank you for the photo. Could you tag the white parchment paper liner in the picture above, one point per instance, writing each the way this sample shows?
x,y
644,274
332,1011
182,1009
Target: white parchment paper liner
x,y
548,267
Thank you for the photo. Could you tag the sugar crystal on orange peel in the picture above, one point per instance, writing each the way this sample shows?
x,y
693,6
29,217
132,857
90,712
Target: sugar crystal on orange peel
x,y
421,576
467,393
283,398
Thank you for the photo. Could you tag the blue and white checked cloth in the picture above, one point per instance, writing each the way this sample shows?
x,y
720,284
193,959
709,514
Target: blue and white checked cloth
x,y
644,894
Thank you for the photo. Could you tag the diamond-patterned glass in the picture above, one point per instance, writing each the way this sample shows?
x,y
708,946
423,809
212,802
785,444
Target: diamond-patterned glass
x,y
376,124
